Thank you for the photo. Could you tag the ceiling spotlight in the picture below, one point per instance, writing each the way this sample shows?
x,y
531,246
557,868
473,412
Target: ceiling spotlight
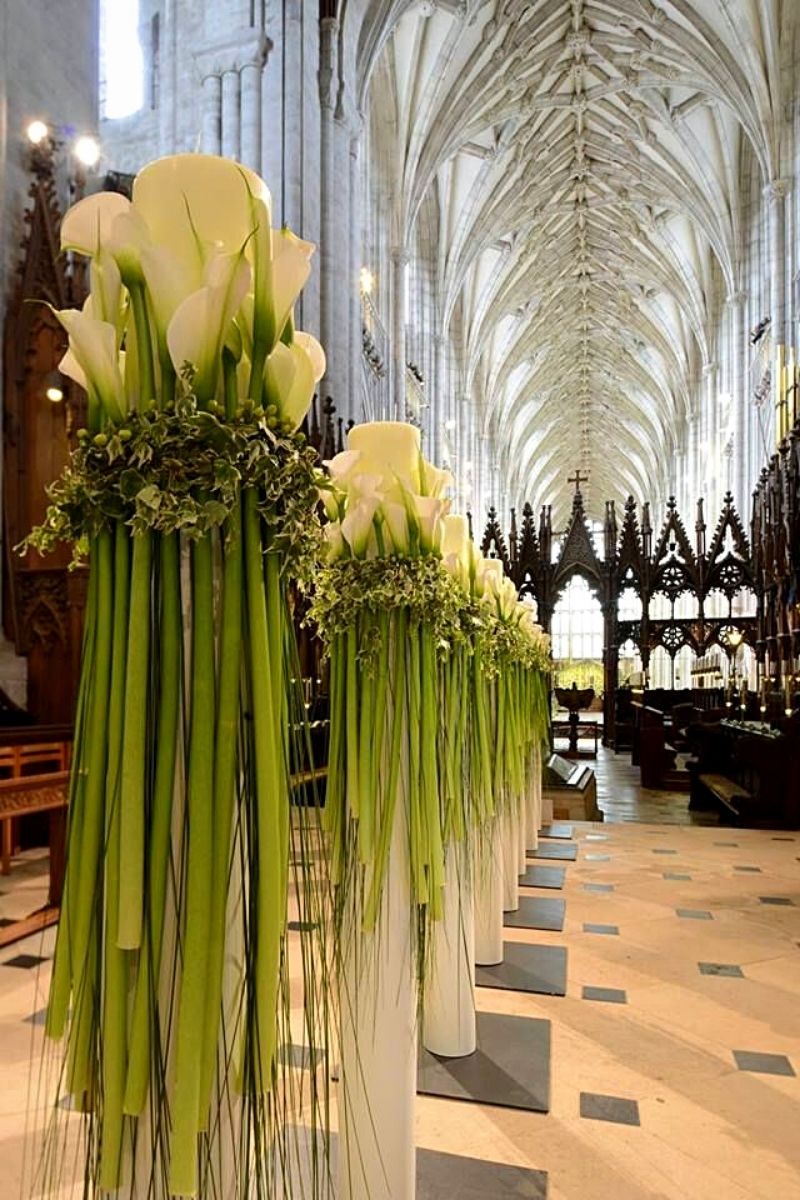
x,y
36,132
87,151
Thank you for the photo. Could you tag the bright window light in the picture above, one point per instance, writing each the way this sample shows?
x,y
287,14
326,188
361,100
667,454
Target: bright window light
x,y
121,59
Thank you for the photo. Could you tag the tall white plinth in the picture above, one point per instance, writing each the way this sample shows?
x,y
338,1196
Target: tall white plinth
x,y
489,897
522,834
510,823
378,1052
449,1001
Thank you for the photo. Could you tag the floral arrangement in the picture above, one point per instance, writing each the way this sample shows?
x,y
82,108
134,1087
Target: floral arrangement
x,y
193,494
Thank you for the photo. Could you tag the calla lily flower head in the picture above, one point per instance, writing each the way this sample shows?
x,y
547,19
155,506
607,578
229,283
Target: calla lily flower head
x,y
390,449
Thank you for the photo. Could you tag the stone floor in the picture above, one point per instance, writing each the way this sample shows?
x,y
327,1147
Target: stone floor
x,y
622,797
675,1052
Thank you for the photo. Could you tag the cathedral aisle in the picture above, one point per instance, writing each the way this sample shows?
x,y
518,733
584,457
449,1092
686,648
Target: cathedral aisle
x,y
675,1052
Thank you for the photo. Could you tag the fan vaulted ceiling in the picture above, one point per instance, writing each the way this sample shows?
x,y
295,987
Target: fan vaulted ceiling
x,y
583,159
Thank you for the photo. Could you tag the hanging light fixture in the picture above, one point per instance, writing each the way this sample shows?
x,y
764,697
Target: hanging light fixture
x,y
36,132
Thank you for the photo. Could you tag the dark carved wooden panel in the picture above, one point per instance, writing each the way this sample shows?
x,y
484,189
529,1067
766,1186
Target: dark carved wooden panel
x,y
42,599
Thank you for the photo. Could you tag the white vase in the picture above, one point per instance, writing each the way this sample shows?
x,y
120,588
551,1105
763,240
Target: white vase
x,y
510,826
449,1002
489,897
378,1048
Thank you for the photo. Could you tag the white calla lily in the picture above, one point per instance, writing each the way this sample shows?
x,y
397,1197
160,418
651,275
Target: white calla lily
x,y
192,201
87,225
343,465
390,448
291,267
94,348
335,545
314,350
455,537
357,526
127,239
435,481
198,329
106,290
289,382
396,522
70,367
429,513
488,571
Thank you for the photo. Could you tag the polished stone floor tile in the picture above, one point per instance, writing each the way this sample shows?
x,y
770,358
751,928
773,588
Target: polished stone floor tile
x,y
729,844
598,887
606,994
542,877
729,970
557,850
591,927
749,870
526,968
25,961
675,875
557,830
785,900
596,837
597,857
454,1177
509,1069
659,851
694,914
537,912
596,1107
763,1064
36,1018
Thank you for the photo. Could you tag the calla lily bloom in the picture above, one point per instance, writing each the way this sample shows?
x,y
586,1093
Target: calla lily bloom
x,y
314,351
429,513
289,382
335,544
94,348
291,267
390,448
88,223
396,519
197,331
357,526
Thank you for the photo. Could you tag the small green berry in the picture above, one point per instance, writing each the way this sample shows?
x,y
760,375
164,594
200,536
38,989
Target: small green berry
x,y
125,435
101,440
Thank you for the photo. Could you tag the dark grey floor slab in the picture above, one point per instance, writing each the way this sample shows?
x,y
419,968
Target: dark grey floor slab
x,y
763,1064
451,1177
592,927
605,994
537,912
751,870
609,1108
675,875
526,968
440,1176
509,1069
694,914
566,853
659,851
775,900
543,877
26,961
557,831
598,887
729,970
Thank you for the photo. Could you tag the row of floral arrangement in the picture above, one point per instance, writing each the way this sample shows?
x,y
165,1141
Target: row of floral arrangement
x,y
198,500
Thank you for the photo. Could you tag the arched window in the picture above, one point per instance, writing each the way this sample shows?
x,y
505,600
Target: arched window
x,y
577,623
121,59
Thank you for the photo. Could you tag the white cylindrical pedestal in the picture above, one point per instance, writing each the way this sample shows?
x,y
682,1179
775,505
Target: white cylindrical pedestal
x,y
522,834
489,897
510,825
449,1018
378,1052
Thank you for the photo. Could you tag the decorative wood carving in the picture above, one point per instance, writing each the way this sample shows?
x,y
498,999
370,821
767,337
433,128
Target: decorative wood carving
x,y
42,598
674,568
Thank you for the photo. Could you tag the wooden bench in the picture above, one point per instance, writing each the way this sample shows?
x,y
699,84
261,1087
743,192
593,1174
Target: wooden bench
x,y
37,794
730,793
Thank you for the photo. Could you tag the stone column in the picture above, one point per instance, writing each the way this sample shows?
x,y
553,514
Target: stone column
x,y
231,133
328,40
739,401
212,115
707,428
354,368
399,264
250,147
776,193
